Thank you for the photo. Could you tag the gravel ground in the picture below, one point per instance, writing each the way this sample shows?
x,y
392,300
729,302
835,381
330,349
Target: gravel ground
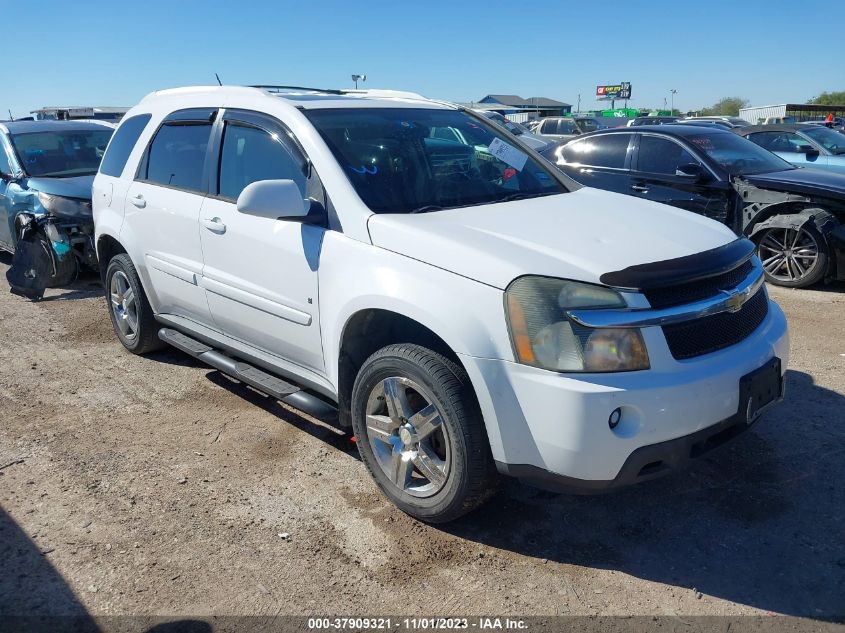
x,y
157,486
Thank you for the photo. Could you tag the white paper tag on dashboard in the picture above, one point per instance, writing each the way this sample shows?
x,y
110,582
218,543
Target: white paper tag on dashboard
x,y
508,154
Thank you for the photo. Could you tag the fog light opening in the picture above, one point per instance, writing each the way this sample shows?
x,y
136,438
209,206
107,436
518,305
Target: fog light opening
x,y
615,417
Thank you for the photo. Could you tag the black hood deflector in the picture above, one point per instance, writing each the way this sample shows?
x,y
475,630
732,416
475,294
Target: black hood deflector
x,y
671,272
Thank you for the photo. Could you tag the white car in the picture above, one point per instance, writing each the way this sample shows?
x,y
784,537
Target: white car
x,y
465,313
526,136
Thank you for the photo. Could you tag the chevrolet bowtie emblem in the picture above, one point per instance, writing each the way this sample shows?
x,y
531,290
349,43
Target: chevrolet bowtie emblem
x,y
735,301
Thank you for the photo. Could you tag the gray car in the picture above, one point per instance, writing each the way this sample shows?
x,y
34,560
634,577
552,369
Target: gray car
x,y
801,145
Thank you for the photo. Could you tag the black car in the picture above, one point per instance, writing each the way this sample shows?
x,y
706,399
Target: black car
x,y
795,216
651,120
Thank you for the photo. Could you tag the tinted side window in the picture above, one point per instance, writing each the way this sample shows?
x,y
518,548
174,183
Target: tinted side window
x,y
177,154
598,151
121,145
250,154
549,127
662,156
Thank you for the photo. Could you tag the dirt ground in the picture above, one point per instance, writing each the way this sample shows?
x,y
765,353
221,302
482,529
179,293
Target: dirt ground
x,y
157,486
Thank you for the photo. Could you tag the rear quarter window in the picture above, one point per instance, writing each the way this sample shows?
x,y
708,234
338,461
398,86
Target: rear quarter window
x,y
609,150
121,145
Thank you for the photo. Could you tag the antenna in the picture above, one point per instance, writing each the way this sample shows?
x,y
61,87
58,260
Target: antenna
x,y
11,117
219,83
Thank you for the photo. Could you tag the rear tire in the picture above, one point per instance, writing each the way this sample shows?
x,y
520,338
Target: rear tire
x,y
793,258
131,315
421,434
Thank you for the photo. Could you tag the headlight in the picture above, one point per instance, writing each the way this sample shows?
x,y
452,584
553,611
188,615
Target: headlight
x,y
542,336
68,207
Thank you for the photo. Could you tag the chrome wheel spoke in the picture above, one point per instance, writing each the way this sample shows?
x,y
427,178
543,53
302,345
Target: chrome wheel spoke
x,y
426,421
396,399
401,467
129,297
122,324
381,427
430,467
775,263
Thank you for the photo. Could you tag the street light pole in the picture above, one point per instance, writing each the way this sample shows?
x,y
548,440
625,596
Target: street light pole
x,y
357,78
673,91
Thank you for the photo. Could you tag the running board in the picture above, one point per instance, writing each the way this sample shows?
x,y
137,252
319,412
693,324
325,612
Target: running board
x,y
248,374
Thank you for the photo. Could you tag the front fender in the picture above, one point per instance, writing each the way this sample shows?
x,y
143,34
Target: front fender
x,y
354,276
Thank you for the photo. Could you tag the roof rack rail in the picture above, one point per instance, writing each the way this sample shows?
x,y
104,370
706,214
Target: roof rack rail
x,y
280,89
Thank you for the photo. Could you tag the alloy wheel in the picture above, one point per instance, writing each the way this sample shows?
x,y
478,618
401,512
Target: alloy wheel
x,y
123,305
788,254
406,432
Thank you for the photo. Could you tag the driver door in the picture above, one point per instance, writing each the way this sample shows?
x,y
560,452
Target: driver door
x,y
658,176
260,273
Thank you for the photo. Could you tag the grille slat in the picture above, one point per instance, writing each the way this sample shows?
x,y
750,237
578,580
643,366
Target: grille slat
x,y
695,291
718,331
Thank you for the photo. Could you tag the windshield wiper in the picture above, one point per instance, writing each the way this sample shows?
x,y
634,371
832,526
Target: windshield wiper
x,y
426,208
521,196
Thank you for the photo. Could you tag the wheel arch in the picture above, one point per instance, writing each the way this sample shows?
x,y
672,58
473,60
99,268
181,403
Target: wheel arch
x,y
107,247
369,329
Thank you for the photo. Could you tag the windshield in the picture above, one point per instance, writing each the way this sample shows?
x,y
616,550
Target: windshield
x,y
413,160
588,125
736,155
509,125
61,153
832,141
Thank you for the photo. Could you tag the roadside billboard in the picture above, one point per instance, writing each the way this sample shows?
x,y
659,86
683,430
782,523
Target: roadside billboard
x,y
616,91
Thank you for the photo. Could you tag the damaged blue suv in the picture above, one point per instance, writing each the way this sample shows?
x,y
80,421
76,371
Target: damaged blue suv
x,y
46,172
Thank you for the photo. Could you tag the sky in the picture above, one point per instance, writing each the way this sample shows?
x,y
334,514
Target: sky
x,y
113,53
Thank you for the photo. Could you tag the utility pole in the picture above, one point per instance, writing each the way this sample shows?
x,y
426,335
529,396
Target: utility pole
x,y
578,110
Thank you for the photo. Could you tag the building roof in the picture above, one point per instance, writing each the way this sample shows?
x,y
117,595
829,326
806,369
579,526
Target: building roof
x,y
50,125
516,101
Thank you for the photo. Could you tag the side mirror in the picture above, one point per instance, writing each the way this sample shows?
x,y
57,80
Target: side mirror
x,y
693,171
274,199
809,150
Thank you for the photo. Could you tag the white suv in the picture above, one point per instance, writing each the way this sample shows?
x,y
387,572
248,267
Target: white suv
x,y
463,307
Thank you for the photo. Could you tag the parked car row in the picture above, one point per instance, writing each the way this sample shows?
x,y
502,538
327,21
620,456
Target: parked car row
x,y
796,217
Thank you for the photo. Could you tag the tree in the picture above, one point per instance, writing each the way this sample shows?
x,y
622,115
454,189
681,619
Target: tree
x,y
829,98
726,106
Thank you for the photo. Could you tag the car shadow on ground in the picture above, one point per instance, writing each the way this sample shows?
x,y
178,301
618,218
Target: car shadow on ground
x,y
34,597
335,437
759,522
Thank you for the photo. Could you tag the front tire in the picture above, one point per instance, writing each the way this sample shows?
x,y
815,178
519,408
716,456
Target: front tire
x,y
420,433
130,311
793,258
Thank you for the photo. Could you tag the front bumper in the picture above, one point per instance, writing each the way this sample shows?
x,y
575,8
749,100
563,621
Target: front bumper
x,y
545,426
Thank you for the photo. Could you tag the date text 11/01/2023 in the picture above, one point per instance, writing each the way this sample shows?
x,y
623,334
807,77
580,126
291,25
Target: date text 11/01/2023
x,y
416,624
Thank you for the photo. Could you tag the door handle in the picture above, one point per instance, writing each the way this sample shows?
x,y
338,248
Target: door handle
x,y
640,188
215,225
138,201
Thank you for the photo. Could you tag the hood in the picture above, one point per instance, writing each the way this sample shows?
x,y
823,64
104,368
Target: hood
x,y
74,187
579,235
808,180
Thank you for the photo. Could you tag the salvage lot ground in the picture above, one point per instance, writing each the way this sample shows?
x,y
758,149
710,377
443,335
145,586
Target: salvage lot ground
x,y
156,486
